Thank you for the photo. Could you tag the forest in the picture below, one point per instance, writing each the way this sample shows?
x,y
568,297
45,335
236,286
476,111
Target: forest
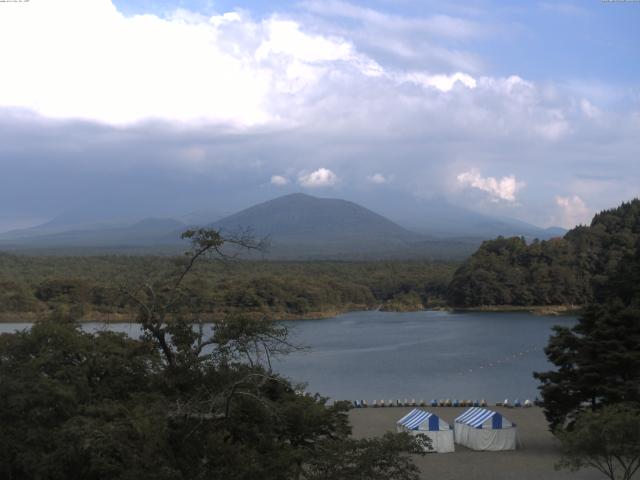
x,y
568,271
505,271
90,287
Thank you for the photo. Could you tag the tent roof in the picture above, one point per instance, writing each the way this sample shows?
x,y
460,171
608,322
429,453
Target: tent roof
x,y
415,418
476,416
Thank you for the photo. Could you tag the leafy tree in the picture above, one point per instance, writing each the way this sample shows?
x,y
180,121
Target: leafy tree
x,y
188,400
368,459
607,440
597,360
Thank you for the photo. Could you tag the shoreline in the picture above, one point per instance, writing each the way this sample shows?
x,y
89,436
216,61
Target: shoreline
x,y
534,309
108,318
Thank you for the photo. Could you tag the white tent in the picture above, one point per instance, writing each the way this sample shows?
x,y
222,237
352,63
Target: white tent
x,y
482,429
419,421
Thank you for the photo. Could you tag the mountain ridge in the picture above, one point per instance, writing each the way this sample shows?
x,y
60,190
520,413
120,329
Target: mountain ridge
x,y
299,226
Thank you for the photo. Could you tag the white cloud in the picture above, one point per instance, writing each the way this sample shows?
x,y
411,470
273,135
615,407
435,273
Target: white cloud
x,y
588,109
279,180
323,177
406,38
504,188
98,64
388,93
444,83
378,179
573,211
554,126
440,25
237,73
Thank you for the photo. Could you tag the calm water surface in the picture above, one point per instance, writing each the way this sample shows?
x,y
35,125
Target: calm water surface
x,y
421,355
375,355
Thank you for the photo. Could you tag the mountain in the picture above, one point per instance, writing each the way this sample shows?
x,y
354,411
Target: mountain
x,y
299,226
149,232
438,217
298,223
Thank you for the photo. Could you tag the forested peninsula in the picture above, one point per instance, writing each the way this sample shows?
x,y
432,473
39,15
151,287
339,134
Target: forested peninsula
x,y
561,271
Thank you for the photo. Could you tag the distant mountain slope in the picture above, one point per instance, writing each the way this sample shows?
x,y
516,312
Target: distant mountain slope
x,y
319,225
439,218
299,226
148,232
300,214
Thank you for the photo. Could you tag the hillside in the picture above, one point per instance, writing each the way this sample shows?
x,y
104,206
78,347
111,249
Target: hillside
x,y
439,218
303,217
567,270
299,227
149,232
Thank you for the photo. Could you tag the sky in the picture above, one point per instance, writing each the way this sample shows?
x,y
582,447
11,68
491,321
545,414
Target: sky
x,y
526,109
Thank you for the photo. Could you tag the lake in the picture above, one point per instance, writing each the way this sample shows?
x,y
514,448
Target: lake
x,y
422,355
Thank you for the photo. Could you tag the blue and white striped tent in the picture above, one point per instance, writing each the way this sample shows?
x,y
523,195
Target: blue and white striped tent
x,y
482,429
419,421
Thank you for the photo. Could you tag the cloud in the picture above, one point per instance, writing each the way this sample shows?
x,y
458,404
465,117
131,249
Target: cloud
x,y
323,177
504,188
444,83
378,179
199,109
402,38
573,211
104,66
438,25
242,74
589,110
279,180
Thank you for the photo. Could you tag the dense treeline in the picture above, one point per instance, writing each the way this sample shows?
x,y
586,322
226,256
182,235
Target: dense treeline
x,y
90,287
569,270
591,396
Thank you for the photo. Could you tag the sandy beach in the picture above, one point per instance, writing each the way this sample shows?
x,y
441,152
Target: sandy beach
x,y
534,460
